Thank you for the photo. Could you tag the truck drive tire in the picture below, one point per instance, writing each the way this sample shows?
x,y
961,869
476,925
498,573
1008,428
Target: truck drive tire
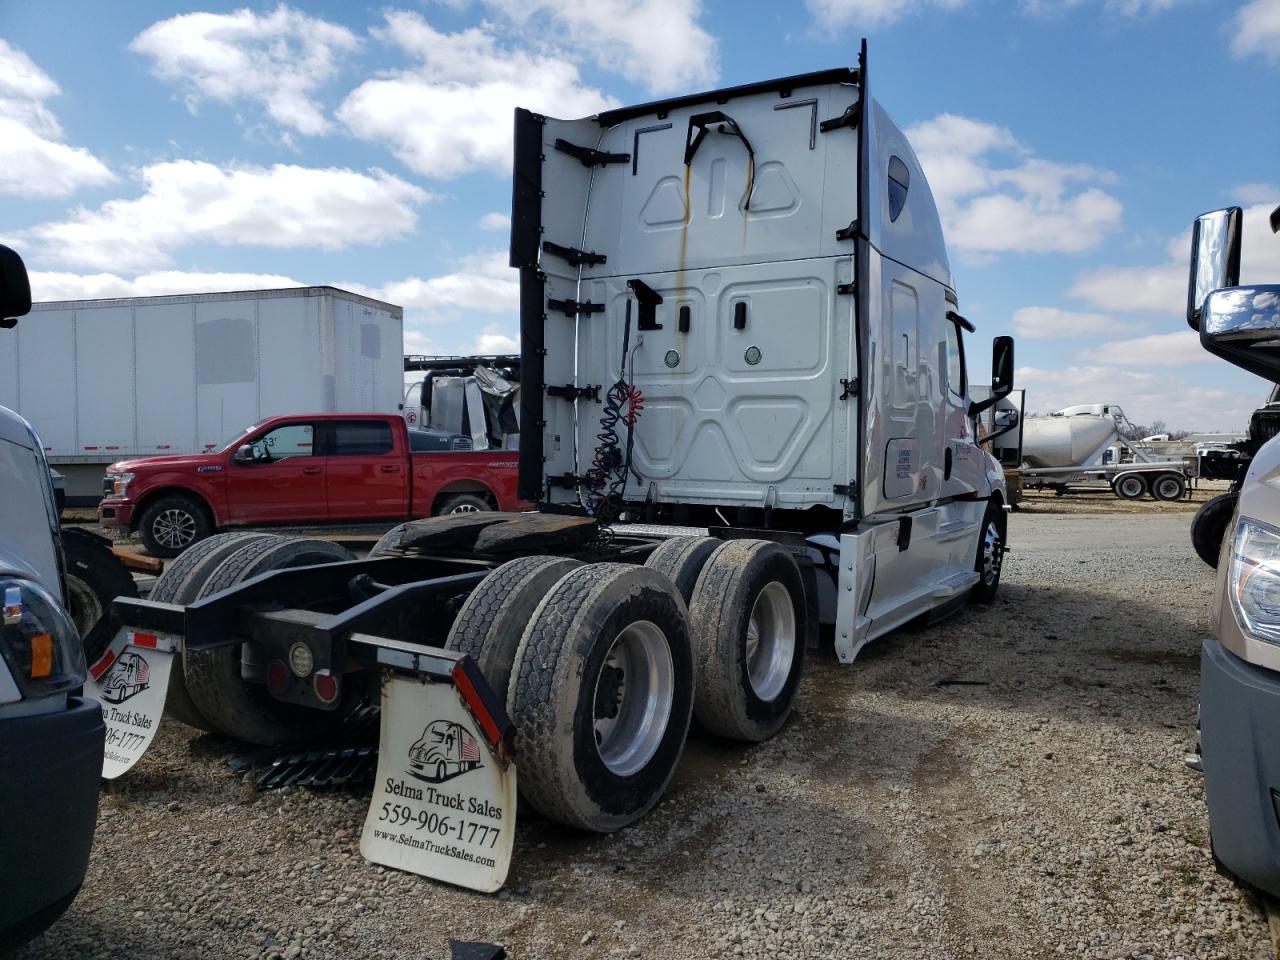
x,y
601,695
748,617
171,524
1209,526
1169,486
681,559
1129,486
493,618
180,583
95,577
384,547
990,558
231,704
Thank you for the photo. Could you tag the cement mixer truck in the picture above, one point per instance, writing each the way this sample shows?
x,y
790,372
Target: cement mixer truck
x,y
1084,445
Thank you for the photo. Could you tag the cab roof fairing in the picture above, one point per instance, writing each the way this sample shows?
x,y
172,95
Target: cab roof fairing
x,y
915,239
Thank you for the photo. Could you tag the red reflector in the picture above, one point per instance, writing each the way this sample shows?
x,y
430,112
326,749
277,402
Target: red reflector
x,y
277,675
103,664
478,709
326,687
145,640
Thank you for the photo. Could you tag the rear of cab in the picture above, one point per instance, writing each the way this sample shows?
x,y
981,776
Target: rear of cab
x,y
51,738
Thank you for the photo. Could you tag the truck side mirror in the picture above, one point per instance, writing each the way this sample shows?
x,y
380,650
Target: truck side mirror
x,y
1215,258
1001,375
15,287
244,453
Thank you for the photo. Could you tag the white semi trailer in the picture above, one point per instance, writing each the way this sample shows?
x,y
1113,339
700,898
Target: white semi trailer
x,y
737,321
107,380
1083,445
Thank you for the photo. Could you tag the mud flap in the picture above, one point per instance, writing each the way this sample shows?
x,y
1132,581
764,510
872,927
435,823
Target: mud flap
x,y
444,805
131,681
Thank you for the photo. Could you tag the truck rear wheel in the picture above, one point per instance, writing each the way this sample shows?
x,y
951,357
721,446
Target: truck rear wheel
x,y
681,559
1209,526
95,577
748,616
463,503
1169,486
171,524
493,618
180,583
601,696
233,705
1129,486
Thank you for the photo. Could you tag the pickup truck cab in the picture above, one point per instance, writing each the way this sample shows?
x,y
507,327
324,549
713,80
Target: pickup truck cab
x,y
302,469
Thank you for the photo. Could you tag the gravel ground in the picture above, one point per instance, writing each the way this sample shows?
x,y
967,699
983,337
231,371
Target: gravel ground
x,y
1041,810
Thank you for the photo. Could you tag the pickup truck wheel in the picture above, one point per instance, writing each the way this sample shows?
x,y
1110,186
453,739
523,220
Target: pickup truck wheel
x,y
493,618
171,524
601,696
748,616
1129,486
463,503
1169,486
1209,526
681,560
95,577
990,559
180,583
235,706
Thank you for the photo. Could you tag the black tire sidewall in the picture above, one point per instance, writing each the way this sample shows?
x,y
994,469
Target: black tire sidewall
x,y
103,573
1118,487
629,796
1209,527
451,501
1159,481
984,592
203,526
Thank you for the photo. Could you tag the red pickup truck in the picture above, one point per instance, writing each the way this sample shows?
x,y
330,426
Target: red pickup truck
x,y
320,468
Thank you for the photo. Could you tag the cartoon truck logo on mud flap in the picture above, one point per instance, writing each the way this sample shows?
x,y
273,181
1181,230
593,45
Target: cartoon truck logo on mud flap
x,y
444,751
128,678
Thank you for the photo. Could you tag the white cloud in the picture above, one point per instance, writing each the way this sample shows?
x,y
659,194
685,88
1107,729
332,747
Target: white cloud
x,y
74,286
1124,8
33,160
657,43
1052,322
995,197
1257,193
277,59
1144,397
188,202
492,340
1155,350
482,283
452,113
495,221
1162,287
872,13
1257,30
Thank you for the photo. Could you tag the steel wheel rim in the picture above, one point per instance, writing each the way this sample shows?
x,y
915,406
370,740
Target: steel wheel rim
x,y
465,508
771,641
633,697
1131,487
86,609
991,553
174,528
1168,489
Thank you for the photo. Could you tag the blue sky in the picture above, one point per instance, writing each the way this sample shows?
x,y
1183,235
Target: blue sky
x,y
153,148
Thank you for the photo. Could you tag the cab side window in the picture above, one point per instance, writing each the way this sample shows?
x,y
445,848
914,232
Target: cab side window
x,y
955,361
361,438
282,443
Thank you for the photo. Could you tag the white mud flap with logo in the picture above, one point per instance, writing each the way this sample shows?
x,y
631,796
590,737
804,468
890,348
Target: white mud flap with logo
x,y
131,681
444,806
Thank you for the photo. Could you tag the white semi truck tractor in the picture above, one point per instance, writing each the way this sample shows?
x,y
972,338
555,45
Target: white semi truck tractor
x,y
744,413
1240,664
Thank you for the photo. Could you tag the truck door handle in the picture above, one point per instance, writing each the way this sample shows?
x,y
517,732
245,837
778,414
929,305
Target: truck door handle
x,y
390,468
311,471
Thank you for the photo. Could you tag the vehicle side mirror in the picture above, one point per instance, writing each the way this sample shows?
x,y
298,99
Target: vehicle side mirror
x,y
1001,375
15,287
1215,258
244,453
1243,314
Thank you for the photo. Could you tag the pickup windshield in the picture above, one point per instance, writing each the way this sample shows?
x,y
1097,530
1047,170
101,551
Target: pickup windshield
x,y
239,433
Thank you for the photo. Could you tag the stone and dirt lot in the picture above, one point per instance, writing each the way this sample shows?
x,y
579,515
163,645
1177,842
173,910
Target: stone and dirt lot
x,y
1008,783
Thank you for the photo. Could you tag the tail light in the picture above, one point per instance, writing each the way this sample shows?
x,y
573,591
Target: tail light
x,y
40,645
